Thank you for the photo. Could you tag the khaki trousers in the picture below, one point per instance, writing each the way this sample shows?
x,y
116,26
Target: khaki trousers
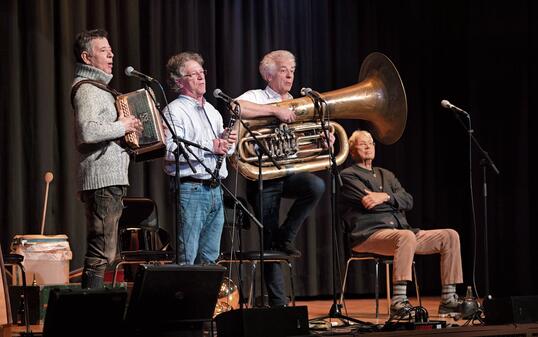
x,y
404,244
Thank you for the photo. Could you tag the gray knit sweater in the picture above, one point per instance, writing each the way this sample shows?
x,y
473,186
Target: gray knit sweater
x,y
102,162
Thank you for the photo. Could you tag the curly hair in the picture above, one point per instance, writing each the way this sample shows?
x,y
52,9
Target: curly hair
x,y
268,65
175,64
83,41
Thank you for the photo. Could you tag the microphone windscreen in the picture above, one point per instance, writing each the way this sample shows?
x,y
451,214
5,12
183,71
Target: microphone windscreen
x,y
445,104
216,93
129,70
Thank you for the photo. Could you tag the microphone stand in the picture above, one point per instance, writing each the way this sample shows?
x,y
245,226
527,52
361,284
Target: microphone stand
x,y
260,151
336,308
485,162
236,113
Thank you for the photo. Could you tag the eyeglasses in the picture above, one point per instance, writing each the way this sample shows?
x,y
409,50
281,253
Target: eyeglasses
x,y
196,74
364,144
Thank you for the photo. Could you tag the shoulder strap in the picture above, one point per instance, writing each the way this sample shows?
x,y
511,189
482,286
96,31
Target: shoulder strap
x,y
100,85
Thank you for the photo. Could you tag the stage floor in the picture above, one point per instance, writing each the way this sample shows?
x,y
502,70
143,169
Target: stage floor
x,y
364,310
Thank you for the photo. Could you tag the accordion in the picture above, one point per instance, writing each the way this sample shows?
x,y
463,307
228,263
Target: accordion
x,y
150,144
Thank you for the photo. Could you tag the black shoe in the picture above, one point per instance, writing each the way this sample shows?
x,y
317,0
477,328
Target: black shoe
x,y
269,303
288,248
278,306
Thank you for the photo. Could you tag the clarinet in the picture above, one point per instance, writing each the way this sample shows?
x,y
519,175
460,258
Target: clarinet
x,y
215,179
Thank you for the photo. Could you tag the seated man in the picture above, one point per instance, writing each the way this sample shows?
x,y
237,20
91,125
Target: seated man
x,y
373,205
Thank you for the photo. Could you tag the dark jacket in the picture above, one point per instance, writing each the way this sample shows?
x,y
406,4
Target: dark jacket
x,y
359,222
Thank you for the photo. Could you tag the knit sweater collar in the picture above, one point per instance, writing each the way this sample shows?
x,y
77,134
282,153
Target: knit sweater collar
x,y
92,73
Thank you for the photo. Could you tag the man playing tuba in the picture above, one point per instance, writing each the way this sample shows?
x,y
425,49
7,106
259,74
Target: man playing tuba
x,y
277,68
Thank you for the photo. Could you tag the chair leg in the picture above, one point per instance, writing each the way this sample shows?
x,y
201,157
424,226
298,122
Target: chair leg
x,y
376,289
387,271
243,300
344,286
23,274
291,284
252,291
114,275
25,295
416,284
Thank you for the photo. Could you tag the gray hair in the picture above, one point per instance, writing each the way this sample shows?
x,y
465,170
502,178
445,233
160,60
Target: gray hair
x,y
84,39
175,66
269,63
353,139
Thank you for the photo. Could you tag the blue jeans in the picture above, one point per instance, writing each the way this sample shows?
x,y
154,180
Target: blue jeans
x,y
202,219
103,211
307,189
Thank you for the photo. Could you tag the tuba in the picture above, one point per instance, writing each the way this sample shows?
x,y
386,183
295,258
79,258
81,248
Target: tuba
x,y
228,298
379,98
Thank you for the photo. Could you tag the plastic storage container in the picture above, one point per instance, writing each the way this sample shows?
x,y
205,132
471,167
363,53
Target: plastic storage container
x,y
46,258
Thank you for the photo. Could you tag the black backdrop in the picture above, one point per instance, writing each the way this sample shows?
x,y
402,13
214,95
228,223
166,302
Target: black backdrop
x,y
473,53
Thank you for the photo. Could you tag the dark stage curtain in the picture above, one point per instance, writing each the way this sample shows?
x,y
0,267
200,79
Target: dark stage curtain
x,y
478,55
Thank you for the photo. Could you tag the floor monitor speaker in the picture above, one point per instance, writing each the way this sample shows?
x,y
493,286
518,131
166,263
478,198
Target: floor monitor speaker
x,y
263,322
513,309
84,312
173,297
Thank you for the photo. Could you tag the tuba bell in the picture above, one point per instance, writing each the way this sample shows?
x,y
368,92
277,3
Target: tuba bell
x,y
228,298
379,98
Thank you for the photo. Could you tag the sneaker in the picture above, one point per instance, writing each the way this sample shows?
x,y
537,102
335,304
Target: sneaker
x,y
401,310
450,307
288,248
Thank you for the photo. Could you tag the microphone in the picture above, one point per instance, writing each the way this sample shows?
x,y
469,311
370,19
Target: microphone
x,y
447,105
310,93
306,91
130,71
217,93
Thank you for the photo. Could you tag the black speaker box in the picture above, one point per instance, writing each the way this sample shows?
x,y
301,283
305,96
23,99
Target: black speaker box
x,y
84,312
263,322
16,297
168,298
513,309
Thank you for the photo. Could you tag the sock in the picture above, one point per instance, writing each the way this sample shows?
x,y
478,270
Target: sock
x,y
448,292
399,292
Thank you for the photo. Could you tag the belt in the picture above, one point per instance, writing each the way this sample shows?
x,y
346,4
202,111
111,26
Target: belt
x,y
206,182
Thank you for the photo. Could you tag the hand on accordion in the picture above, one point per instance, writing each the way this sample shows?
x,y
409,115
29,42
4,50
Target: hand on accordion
x,y
131,124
